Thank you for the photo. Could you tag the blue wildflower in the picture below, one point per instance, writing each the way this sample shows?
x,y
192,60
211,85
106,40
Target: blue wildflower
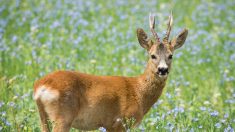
x,y
1,104
226,115
7,123
203,108
178,110
191,130
168,95
11,104
218,125
214,113
195,119
223,120
3,113
102,129
169,126
25,95
229,129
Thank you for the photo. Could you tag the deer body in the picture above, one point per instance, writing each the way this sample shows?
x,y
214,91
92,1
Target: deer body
x,y
87,102
97,101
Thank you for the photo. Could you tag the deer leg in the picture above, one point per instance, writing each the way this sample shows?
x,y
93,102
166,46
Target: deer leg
x,y
63,119
118,127
64,116
116,130
43,117
62,125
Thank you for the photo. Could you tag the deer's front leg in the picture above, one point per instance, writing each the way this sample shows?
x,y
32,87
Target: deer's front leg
x,y
62,125
116,128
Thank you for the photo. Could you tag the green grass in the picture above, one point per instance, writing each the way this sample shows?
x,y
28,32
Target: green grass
x,y
38,37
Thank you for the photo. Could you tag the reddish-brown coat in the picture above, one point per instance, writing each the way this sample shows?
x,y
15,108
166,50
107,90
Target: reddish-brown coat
x,y
87,102
111,97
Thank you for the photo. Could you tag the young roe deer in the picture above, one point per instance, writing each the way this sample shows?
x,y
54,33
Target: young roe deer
x,y
87,102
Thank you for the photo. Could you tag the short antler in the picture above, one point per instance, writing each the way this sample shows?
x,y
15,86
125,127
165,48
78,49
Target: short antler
x,y
152,25
169,25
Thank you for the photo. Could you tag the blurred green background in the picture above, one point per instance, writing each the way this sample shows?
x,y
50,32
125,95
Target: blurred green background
x,y
99,37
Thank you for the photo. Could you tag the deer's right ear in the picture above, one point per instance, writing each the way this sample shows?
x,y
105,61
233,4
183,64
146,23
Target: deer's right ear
x,y
143,39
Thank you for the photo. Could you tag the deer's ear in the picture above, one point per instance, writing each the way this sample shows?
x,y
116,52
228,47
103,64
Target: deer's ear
x,y
143,39
180,39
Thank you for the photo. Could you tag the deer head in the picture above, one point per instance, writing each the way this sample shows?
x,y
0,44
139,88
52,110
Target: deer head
x,y
160,52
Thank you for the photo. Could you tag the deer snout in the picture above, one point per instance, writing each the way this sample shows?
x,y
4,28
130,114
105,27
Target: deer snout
x,y
162,70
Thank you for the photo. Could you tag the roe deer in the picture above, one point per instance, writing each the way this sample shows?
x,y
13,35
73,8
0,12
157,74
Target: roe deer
x,y
87,102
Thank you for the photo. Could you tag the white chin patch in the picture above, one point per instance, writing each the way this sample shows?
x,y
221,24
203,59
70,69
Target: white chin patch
x,y
162,76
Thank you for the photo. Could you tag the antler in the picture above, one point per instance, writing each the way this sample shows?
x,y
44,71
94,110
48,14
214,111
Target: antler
x,y
152,25
169,25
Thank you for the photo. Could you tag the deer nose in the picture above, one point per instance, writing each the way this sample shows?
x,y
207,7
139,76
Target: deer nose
x,y
162,70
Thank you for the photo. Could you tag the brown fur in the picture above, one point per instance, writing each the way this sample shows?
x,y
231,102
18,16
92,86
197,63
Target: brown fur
x,y
107,97
88,102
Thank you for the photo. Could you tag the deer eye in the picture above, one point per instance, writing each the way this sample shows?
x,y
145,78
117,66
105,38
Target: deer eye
x,y
153,57
170,56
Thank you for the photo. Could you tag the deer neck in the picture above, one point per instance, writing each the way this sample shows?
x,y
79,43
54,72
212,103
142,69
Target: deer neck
x,y
150,88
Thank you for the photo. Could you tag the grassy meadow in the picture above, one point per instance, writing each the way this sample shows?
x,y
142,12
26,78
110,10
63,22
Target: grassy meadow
x,y
99,37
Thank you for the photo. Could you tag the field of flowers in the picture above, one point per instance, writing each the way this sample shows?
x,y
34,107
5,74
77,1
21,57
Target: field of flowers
x,y
99,37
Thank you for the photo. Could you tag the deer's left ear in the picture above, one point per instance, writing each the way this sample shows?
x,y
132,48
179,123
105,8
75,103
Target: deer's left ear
x,y
180,39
